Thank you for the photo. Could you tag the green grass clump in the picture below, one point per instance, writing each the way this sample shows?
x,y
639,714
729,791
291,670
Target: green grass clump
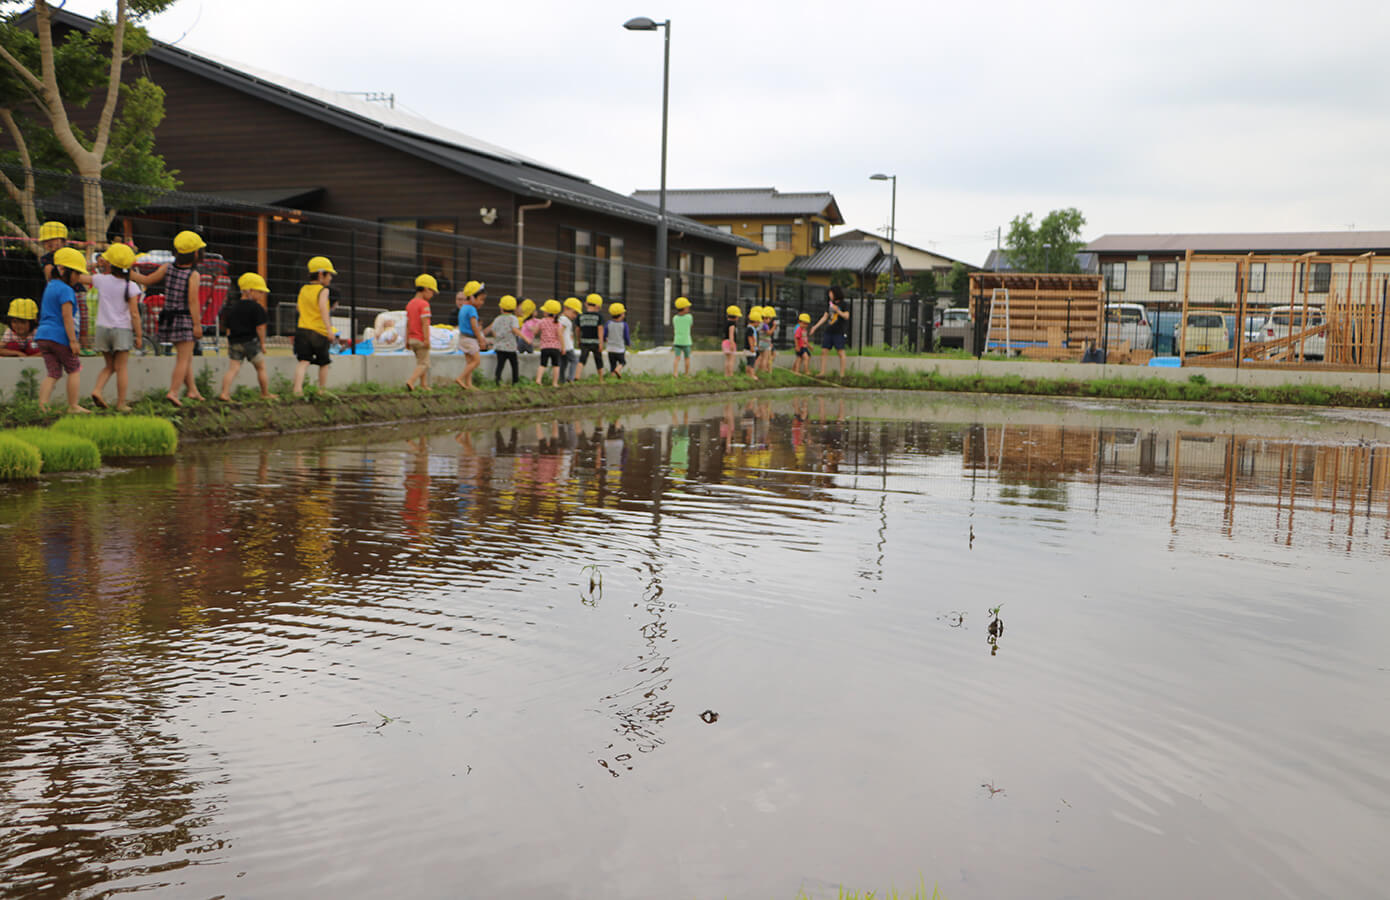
x,y
18,460
124,435
61,452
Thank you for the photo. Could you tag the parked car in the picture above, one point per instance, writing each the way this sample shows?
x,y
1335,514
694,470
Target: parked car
x,y
1254,329
1129,322
1284,321
1204,331
954,327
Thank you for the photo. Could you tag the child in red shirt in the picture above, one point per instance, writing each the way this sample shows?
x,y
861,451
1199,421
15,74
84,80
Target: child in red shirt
x,y
802,363
417,331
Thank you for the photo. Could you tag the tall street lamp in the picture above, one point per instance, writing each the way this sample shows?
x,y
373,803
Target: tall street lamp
x,y
642,23
892,239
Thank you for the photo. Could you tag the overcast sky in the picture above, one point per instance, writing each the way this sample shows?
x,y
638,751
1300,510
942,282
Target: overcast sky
x,y
1184,116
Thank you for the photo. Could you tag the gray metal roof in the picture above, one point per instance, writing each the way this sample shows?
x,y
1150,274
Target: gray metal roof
x,y
745,202
998,261
864,257
421,138
861,235
1245,242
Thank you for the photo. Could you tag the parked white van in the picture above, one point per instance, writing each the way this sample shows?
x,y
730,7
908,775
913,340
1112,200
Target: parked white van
x,y
1129,322
1286,320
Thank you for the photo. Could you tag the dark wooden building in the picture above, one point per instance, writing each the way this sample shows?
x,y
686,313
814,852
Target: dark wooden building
x,y
286,170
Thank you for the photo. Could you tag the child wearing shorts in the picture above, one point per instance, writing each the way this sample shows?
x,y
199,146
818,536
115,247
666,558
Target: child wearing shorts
x,y
118,321
682,342
590,325
750,341
802,340
57,331
617,339
245,321
730,343
417,330
550,342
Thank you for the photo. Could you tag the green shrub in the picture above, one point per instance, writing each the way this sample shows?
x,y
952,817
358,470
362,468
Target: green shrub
x,y
18,460
124,435
61,452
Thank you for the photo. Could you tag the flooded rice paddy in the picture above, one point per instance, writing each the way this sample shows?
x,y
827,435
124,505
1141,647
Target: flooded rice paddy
x,y
730,650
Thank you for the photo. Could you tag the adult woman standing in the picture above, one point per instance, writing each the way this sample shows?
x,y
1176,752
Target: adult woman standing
x,y
180,322
836,320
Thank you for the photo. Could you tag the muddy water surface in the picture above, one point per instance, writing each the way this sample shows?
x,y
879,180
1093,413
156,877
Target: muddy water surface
x,y
725,651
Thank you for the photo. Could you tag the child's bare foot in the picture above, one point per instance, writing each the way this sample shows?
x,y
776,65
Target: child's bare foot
x,y
224,398
172,398
197,398
99,401
79,409
123,407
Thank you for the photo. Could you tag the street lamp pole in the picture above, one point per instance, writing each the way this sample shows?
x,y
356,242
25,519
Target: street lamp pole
x,y
892,243
642,23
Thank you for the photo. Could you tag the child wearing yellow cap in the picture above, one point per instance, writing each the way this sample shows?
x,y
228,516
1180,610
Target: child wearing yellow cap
x,y
118,320
245,322
550,342
506,332
681,342
802,340
617,338
18,339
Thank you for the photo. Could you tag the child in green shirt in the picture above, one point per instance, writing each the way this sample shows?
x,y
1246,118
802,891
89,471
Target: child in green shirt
x,y
680,346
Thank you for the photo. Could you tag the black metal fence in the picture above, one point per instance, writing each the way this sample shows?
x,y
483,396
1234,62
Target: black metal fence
x,y
377,262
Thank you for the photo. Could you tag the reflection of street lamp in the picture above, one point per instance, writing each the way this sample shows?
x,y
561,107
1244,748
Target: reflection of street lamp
x,y
1047,258
642,23
892,232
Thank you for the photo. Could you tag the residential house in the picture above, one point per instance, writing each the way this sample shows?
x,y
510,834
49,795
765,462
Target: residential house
x,y
1154,269
913,260
436,199
865,260
790,226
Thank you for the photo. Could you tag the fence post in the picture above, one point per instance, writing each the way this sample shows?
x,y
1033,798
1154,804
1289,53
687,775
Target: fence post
x,y
1380,355
352,295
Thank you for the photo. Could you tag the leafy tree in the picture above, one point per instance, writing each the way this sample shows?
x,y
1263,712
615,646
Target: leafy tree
x,y
900,288
924,284
843,279
1051,246
958,281
44,81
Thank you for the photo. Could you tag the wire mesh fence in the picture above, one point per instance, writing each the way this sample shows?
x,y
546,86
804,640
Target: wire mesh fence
x,y
378,261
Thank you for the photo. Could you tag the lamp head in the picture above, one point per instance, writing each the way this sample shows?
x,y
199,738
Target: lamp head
x,y
879,176
641,23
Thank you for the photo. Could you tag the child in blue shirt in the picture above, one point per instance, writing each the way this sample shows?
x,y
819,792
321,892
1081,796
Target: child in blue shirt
x,y
57,331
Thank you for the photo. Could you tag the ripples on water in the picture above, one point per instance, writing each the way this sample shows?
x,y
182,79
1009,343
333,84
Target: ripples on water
x,y
334,664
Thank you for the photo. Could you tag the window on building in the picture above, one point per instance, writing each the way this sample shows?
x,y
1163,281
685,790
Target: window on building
x,y
1163,276
1114,276
595,267
727,229
777,237
412,246
1322,277
1257,279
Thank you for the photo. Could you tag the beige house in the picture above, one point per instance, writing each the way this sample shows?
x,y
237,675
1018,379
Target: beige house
x,y
1270,269
912,260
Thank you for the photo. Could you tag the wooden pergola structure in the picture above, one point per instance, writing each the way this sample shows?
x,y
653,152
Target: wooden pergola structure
x,y
1023,311
1353,317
